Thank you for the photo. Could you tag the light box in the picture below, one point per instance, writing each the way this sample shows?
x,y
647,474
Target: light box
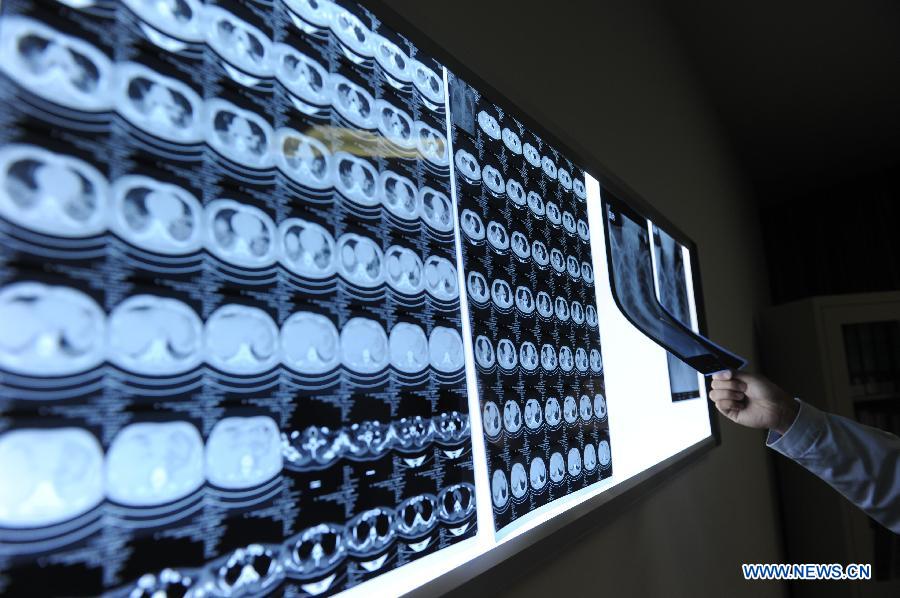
x,y
292,302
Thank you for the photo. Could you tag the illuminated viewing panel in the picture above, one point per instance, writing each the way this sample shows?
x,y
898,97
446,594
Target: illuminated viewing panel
x,y
288,307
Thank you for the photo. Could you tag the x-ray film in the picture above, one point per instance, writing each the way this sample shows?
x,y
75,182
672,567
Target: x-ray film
x,y
231,361
672,291
532,305
629,248
235,237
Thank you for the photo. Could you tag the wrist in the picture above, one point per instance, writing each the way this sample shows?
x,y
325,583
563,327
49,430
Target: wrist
x,y
787,413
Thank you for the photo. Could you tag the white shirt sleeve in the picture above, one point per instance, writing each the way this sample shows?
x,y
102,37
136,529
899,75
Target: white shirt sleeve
x,y
860,462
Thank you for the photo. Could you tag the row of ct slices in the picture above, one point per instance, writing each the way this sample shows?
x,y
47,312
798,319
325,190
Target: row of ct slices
x,y
501,294
59,331
67,198
473,172
537,477
150,464
507,357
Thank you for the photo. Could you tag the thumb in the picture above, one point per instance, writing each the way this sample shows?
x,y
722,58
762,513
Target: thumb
x,y
723,375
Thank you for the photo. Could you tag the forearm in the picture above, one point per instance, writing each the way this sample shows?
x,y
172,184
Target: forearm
x,y
860,462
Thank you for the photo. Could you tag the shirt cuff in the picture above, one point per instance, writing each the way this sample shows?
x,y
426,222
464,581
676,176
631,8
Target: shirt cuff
x,y
802,435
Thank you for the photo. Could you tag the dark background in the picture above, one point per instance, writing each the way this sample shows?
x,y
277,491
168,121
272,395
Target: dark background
x,y
808,94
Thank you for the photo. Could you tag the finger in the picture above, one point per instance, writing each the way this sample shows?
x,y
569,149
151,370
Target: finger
x,y
737,385
729,408
726,395
723,375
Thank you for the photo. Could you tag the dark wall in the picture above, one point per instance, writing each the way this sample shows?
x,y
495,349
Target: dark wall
x,y
808,93
842,238
611,75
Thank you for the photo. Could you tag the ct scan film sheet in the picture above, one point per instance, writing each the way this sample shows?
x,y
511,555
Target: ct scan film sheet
x,y
633,286
532,305
231,355
672,291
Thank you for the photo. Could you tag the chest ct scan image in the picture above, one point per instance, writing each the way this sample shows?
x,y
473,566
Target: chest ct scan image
x,y
249,332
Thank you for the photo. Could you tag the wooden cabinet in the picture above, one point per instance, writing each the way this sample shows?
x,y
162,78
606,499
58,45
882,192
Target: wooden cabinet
x,y
840,354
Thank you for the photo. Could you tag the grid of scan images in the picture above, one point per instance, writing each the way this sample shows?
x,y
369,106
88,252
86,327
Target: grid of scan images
x,y
530,288
231,357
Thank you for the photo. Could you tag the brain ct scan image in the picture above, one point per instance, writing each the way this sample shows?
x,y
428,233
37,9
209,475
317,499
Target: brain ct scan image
x,y
523,256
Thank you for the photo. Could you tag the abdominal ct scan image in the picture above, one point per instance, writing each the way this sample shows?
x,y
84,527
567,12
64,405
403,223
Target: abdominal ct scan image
x,y
633,284
532,307
231,360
